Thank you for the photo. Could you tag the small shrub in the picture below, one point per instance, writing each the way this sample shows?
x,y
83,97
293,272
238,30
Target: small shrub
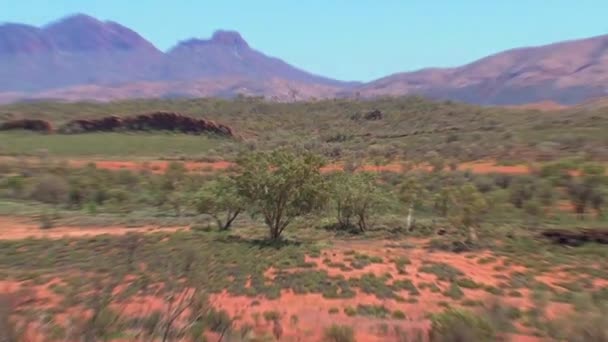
x,y
379,311
515,293
333,311
467,283
442,271
272,315
51,189
218,320
454,292
471,302
455,325
46,220
339,333
398,314
406,285
486,260
501,316
350,311
494,290
586,327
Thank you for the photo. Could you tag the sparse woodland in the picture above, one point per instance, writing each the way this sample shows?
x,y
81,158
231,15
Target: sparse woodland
x,y
309,198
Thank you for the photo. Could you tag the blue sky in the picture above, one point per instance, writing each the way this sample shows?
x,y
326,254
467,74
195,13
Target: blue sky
x,y
344,39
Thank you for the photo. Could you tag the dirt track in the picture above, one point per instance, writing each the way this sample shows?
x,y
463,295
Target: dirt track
x,y
21,228
160,166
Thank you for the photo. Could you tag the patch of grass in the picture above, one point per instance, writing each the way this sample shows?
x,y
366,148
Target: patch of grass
x,y
431,286
372,284
502,316
573,286
339,265
472,302
382,329
360,261
376,311
454,292
467,283
350,311
110,144
500,268
518,280
486,260
401,262
272,315
515,293
333,311
494,290
600,295
459,325
563,296
398,314
339,333
406,285
443,271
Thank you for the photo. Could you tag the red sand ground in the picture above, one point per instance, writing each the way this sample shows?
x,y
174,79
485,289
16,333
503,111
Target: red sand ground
x,y
159,166
312,310
20,228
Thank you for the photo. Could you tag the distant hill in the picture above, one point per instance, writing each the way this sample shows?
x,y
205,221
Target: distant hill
x,y
567,73
74,51
80,57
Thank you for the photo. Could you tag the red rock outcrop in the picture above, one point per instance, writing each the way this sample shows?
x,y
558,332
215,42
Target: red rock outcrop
x,y
27,124
165,121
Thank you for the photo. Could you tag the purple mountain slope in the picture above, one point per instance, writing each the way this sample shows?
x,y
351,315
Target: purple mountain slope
x,y
80,57
83,51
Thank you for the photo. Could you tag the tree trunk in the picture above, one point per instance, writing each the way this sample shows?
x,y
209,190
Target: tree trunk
x,y
362,224
580,211
274,233
410,217
230,217
473,238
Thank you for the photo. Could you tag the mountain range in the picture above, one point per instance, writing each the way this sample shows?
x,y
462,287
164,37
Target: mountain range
x,y
80,57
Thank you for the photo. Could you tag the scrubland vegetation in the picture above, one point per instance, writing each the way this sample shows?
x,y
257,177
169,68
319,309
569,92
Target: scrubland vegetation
x,y
411,128
432,252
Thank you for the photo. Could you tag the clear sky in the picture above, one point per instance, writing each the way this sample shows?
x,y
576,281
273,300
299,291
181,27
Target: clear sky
x,y
344,39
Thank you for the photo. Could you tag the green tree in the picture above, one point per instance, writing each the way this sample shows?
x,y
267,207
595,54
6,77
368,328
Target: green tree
x,y
16,184
436,162
173,176
587,189
51,188
442,200
546,193
176,199
355,196
598,199
220,200
412,194
467,208
281,186
522,190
